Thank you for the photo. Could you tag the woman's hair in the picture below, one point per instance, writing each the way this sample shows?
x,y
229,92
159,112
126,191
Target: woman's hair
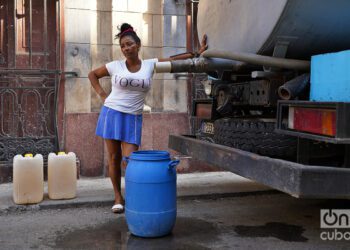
x,y
127,30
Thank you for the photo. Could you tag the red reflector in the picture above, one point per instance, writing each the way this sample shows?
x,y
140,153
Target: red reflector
x,y
316,121
203,110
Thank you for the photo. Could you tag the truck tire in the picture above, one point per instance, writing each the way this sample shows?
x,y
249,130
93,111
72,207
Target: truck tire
x,y
255,136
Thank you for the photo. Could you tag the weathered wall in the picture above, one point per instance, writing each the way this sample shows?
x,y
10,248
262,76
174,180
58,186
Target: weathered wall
x,y
90,27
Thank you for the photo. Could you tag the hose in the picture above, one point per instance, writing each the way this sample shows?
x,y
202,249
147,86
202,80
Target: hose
x,y
195,65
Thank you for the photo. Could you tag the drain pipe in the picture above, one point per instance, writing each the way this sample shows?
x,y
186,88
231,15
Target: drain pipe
x,y
259,59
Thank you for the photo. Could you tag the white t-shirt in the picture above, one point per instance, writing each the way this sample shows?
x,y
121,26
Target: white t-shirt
x,y
129,89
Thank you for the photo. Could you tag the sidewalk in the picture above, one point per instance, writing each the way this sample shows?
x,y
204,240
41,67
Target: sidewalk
x,y
98,191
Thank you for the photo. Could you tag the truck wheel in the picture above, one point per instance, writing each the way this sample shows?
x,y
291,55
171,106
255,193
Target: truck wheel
x,y
255,136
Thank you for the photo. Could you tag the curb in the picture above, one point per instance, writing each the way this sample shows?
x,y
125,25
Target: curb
x,y
109,202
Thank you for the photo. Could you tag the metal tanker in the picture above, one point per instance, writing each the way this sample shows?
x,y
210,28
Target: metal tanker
x,y
302,27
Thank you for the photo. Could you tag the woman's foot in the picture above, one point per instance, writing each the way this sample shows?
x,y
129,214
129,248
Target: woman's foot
x,y
118,208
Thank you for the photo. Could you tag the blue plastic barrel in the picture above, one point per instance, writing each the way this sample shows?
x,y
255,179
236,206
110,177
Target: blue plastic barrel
x,y
150,193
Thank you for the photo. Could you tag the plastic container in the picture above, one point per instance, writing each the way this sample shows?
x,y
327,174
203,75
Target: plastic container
x,y
150,193
62,176
28,179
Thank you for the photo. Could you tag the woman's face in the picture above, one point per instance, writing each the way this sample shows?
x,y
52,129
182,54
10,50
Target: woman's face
x,y
129,47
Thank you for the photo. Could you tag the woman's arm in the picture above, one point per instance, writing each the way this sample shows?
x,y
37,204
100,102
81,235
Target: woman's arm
x,y
187,55
96,74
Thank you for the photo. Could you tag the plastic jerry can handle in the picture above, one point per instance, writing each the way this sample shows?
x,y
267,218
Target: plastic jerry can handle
x,y
173,164
126,159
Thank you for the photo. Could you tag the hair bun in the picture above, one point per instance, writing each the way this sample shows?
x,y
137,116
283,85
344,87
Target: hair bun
x,y
127,29
125,26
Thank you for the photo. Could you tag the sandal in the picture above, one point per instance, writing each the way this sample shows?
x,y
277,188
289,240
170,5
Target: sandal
x,y
118,208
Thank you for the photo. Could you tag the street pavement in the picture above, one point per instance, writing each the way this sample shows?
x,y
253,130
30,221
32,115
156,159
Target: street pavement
x,y
98,191
215,210
251,221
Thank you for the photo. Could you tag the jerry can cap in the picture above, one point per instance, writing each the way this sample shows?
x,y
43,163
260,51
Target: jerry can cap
x,y
61,153
28,155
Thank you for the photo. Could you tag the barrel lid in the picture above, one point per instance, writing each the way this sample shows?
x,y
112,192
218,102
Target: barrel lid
x,y
150,155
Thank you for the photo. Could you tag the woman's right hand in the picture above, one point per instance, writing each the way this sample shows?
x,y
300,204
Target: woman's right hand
x,y
103,97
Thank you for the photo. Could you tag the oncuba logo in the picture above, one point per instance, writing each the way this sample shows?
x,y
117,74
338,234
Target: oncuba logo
x,y
333,219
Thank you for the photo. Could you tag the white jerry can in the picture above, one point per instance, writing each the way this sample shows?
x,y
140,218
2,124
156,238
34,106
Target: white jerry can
x,y
28,179
62,176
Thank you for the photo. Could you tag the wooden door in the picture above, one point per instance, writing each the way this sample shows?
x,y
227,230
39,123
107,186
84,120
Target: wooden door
x,y
29,77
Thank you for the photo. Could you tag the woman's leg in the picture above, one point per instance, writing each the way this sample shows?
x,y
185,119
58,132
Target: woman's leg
x,y
114,167
128,148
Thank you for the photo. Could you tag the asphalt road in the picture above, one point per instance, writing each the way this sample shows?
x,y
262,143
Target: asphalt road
x,y
264,221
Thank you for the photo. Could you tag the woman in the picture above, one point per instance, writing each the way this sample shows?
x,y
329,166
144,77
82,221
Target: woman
x,y
120,119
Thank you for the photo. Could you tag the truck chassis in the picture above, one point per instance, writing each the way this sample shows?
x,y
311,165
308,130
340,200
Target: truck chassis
x,y
298,180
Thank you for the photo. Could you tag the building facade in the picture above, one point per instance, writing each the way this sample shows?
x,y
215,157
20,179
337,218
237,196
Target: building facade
x,y
48,48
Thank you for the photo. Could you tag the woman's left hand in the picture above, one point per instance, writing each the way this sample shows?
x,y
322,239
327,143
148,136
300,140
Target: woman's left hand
x,y
183,56
204,45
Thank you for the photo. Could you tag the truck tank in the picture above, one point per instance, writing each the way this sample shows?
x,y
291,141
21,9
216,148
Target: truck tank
x,y
301,28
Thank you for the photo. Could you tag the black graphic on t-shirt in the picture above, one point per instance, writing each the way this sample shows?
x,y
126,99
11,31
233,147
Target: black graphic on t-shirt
x,y
135,83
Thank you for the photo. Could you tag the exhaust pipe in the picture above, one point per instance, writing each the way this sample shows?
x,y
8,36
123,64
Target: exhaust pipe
x,y
294,87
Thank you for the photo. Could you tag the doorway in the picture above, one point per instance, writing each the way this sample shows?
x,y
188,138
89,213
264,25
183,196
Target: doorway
x,y
29,77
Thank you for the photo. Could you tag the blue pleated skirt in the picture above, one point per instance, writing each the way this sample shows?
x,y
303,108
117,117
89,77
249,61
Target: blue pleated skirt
x,y
119,126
